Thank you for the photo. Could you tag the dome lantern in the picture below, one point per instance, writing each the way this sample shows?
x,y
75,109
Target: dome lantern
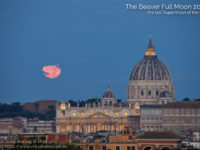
x,y
150,51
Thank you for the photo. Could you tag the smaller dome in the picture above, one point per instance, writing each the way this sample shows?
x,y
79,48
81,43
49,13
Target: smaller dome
x,y
108,93
165,94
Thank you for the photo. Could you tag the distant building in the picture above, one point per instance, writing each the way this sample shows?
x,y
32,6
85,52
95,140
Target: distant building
x,y
150,83
181,116
11,126
150,118
41,106
158,140
40,126
106,115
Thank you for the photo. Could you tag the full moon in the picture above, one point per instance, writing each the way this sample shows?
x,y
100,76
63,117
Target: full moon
x,y
51,71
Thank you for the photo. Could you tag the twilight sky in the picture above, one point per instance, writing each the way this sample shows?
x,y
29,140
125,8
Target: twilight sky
x,y
95,42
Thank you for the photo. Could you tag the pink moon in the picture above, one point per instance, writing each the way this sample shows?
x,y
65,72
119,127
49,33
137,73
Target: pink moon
x,y
51,71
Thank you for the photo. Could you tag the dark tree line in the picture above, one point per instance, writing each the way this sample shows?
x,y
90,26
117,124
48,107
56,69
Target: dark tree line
x,y
16,109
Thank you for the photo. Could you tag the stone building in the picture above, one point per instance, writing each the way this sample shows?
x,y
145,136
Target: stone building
x,y
150,81
107,115
181,116
158,141
41,106
11,126
39,126
151,118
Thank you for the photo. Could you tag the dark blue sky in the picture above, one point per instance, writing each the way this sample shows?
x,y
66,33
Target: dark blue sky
x,y
96,42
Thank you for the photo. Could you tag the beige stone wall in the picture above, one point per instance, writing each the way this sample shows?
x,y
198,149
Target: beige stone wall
x,y
181,119
138,91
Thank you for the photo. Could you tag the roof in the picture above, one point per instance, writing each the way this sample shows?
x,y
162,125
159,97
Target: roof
x,y
150,107
158,135
183,104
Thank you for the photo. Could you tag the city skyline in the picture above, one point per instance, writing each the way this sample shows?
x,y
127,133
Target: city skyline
x,y
96,44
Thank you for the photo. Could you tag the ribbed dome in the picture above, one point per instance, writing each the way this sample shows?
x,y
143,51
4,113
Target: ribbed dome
x,y
150,67
108,93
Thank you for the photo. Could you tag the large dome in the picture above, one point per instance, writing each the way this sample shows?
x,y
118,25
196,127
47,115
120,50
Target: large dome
x,y
150,67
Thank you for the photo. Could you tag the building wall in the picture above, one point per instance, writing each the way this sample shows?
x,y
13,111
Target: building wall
x,y
91,119
148,92
42,106
151,118
109,146
181,119
39,126
11,126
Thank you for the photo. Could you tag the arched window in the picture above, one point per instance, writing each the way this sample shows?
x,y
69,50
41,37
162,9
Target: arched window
x,y
148,148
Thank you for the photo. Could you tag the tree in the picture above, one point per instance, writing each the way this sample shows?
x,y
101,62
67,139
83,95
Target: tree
x,y
186,99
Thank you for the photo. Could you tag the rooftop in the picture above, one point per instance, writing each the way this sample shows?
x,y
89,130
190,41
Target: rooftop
x,y
183,104
158,135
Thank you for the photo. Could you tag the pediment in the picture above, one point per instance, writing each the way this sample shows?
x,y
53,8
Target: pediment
x,y
98,115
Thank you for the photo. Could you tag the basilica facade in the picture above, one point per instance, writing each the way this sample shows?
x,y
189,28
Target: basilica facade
x,y
150,83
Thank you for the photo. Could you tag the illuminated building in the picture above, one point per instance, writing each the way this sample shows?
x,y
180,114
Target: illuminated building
x,y
150,81
107,115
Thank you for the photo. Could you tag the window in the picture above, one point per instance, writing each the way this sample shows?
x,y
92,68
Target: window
x,y
116,113
82,113
90,147
117,147
131,148
103,147
91,113
149,92
63,113
157,93
142,93
130,138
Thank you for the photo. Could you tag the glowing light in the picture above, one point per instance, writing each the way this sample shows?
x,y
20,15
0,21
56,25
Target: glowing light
x,y
91,113
74,114
82,113
62,106
150,53
51,71
106,113
125,113
116,113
